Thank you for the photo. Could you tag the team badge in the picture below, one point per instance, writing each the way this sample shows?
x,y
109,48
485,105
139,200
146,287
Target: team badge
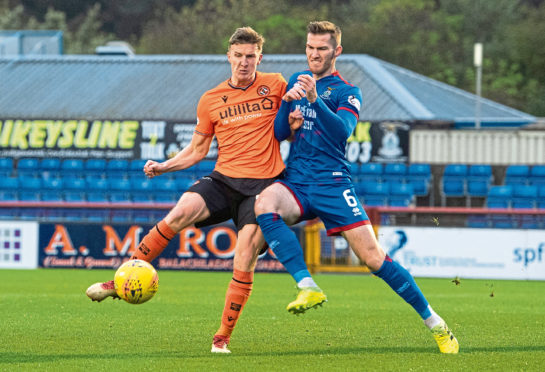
x,y
326,94
354,102
263,90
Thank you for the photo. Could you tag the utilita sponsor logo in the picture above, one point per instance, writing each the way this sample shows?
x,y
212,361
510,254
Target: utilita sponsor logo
x,y
245,108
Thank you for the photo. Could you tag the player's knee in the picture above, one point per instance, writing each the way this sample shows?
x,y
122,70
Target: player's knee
x,y
178,218
263,205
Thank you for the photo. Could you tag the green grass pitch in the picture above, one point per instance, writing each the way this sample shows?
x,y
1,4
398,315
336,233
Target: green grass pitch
x,y
48,324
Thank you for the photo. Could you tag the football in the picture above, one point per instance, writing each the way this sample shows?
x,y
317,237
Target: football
x,y
136,281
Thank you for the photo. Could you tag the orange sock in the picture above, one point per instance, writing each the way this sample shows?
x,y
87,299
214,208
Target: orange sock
x,y
154,242
237,294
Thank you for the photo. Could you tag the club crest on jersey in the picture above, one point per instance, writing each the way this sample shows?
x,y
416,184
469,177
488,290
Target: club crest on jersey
x,y
326,94
263,90
354,102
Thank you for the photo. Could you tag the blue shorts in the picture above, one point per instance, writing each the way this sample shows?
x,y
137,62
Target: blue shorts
x,y
337,205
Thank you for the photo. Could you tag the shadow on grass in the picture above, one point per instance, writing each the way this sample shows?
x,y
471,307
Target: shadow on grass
x,y
23,357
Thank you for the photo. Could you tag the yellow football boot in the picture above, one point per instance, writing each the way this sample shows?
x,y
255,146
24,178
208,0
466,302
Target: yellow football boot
x,y
307,298
446,341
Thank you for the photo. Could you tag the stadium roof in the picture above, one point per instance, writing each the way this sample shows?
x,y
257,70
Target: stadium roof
x,y
169,87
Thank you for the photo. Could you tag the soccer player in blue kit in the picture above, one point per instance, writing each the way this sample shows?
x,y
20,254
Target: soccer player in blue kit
x,y
322,110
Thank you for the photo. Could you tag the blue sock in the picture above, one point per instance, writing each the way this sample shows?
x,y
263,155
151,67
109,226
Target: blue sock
x,y
284,244
402,282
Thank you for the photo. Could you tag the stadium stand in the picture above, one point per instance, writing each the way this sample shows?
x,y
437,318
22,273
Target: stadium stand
x,y
537,175
517,175
394,173
499,196
453,183
524,196
6,167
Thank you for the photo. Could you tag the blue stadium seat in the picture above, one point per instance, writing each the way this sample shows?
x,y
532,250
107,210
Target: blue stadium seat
x,y
28,167
371,172
52,183
74,214
73,183
97,197
8,196
420,177
499,196
500,221
401,195
31,213
524,196
72,168
182,184
541,198
455,170
141,197
50,164
120,197
165,197
452,187
30,183
143,216
97,215
74,196
29,195
95,168
117,166
9,183
478,221
51,196
206,166
517,175
6,167
118,184
354,170
477,187
537,175
121,215
163,184
136,167
376,194
394,172
96,184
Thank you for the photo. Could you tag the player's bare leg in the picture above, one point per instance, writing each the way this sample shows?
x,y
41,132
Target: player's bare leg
x,y
250,241
364,243
189,209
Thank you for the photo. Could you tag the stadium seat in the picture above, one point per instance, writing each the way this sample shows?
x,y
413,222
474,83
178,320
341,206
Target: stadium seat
x,y
118,184
541,197
182,184
376,194
30,183
420,178
31,213
28,167
72,168
6,167
517,175
455,170
143,216
9,183
74,214
524,196
500,221
29,195
499,196
97,215
50,164
537,175
163,184
205,166
73,183
119,167
51,196
394,172
120,197
529,222
8,196
52,183
121,215
478,221
97,197
74,196
136,167
95,167
96,184
370,172
401,195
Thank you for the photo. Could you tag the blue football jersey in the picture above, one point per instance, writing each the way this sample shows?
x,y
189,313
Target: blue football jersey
x,y
317,153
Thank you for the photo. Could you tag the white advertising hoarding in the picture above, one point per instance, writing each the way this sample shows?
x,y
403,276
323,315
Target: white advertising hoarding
x,y
18,245
467,253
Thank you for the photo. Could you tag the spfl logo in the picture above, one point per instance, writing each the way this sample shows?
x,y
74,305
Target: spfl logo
x,y
10,243
529,255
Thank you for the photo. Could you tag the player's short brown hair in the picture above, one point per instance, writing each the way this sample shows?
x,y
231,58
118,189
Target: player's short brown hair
x,y
247,35
326,27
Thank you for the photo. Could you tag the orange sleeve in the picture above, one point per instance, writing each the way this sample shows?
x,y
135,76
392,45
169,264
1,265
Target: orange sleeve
x,y
204,125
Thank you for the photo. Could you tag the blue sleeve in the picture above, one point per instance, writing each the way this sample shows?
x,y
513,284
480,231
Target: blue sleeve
x,y
339,125
282,128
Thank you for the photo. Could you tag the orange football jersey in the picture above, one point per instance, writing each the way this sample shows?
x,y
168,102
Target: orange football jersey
x,y
243,121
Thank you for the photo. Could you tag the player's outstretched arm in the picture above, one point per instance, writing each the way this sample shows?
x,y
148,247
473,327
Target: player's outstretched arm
x,y
190,155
